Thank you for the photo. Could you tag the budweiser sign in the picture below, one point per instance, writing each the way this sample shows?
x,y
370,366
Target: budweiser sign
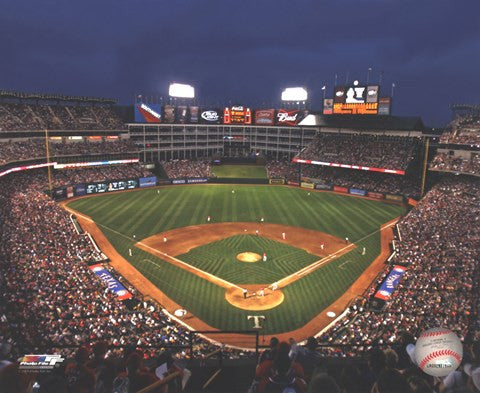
x,y
290,118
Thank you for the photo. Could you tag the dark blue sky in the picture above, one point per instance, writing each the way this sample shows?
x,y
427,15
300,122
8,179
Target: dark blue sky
x,y
245,51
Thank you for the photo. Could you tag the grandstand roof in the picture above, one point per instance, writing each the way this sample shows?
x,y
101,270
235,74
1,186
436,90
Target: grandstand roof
x,y
368,122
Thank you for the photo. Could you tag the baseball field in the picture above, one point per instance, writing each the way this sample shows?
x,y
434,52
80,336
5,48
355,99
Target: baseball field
x,y
246,171
198,247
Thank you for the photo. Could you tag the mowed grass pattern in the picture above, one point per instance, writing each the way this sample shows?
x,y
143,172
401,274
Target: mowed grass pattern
x,y
220,259
246,171
146,212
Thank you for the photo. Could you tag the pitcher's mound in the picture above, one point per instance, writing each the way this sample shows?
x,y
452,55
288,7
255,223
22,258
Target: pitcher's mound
x,y
254,302
248,257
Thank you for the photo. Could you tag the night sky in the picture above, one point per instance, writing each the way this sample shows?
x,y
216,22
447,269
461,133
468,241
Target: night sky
x,y
245,51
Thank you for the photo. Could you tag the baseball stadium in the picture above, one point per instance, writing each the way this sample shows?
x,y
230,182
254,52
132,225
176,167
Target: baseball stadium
x,y
183,243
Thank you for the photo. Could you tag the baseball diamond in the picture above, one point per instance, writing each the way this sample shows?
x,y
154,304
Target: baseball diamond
x,y
184,261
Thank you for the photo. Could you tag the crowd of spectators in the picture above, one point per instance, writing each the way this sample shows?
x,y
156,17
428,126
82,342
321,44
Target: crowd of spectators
x,y
283,169
407,185
446,162
440,245
464,130
66,177
378,151
26,117
49,295
177,169
289,367
15,150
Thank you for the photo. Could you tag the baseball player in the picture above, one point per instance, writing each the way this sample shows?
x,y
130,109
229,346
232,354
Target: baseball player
x,y
274,286
262,292
208,219
164,239
244,293
264,257
284,235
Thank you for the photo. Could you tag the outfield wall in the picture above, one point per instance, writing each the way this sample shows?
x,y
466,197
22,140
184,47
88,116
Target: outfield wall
x,y
107,186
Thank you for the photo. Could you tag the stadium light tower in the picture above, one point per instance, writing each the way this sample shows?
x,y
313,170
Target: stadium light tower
x,y
179,90
295,94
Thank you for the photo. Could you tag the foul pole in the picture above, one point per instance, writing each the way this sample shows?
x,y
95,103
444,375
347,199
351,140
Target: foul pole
x,y
49,168
424,175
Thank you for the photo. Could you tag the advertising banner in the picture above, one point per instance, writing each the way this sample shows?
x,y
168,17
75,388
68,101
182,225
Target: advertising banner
x,y
118,185
112,284
376,195
307,185
412,202
197,180
210,116
169,114
291,117
237,114
178,181
336,165
163,182
327,106
276,181
384,106
147,181
193,114
390,283
150,113
265,117
182,114
59,193
95,188
293,183
70,192
80,190
340,189
356,191
323,186
394,197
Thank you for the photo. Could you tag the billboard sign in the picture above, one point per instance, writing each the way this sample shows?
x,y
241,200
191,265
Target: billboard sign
x,y
193,114
356,99
384,106
237,114
181,114
327,106
169,114
147,181
291,117
388,286
265,117
211,116
150,113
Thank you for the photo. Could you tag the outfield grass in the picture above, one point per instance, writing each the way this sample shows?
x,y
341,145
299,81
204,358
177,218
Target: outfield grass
x,y
238,171
219,259
146,212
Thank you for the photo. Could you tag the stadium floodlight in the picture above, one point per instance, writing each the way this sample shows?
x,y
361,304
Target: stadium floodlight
x,y
294,94
180,90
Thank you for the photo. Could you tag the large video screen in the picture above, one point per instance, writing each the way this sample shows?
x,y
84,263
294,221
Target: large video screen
x,y
148,113
361,100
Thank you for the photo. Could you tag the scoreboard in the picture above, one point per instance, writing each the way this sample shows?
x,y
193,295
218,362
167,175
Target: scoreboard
x,y
356,99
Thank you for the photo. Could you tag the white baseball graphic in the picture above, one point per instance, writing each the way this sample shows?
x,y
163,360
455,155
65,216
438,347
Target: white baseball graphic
x,y
438,352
